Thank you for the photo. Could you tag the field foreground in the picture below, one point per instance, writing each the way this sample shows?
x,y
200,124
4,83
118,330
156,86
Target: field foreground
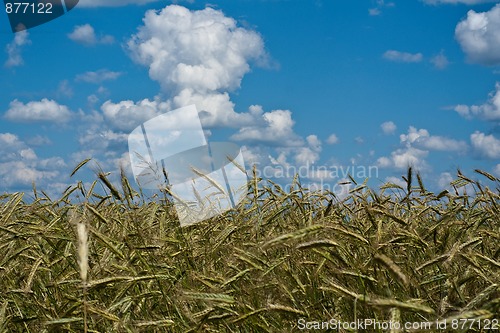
x,y
280,260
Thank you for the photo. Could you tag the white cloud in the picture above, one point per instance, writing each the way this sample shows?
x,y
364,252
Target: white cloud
x,y
440,61
216,109
278,130
306,156
314,143
479,36
332,139
485,145
64,89
442,144
45,110
380,5
39,140
112,3
310,154
99,76
127,115
388,127
444,180
85,35
398,56
14,56
403,158
21,173
423,140
496,170
99,139
20,165
200,50
9,139
416,146
198,57
488,111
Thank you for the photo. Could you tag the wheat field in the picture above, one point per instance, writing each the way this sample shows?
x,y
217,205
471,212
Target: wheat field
x,y
120,262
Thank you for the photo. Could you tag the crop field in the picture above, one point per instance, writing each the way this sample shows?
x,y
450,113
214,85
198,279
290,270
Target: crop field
x,y
120,262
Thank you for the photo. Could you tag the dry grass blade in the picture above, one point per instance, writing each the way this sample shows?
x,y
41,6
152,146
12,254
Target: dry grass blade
x,y
278,307
487,175
301,233
236,277
223,298
3,317
79,166
349,234
27,288
63,321
247,315
380,302
392,267
210,180
156,323
96,213
482,296
107,242
489,260
103,313
11,206
317,243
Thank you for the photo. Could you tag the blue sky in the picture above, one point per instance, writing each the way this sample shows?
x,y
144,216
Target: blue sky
x,y
319,84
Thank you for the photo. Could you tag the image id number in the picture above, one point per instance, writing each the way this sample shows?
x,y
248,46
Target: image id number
x,y
26,8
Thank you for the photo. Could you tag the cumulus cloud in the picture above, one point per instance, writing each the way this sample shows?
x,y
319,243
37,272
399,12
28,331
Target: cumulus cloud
x,y
20,165
421,138
388,127
127,115
479,36
440,61
201,50
405,157
496,170
311,153
278,130
380,4
398,56
332,139
99,76
216,109
489,111
64,89
44,110
485,145
85,35
444,180
198,57
10,144
416,145
14,49
39,140
21,173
